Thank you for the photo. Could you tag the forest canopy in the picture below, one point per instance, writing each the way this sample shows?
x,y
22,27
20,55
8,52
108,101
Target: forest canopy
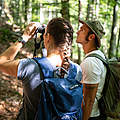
x,y
22,12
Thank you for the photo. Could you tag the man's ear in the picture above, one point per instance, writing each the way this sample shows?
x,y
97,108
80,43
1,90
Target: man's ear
x,y
91,36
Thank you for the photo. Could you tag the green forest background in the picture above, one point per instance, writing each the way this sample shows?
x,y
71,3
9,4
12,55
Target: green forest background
x,y
19,13
16,14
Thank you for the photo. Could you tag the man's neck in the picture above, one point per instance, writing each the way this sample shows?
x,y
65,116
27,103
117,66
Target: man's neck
x,y
88,49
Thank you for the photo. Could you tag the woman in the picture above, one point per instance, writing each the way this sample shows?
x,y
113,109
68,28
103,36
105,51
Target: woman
x,y
58,38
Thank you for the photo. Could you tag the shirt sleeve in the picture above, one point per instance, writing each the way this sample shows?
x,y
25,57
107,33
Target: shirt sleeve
x,y
26,68
91,71
28,72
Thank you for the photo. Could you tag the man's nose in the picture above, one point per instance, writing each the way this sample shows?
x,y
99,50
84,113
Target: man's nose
x,y
78,32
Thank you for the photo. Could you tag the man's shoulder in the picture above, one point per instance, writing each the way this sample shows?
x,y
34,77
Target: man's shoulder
x,y
88,61
99,52
92,62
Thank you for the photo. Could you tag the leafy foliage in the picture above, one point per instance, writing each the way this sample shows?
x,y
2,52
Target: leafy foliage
x,y
44,10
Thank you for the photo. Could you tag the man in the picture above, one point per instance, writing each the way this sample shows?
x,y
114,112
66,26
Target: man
x,y
93,70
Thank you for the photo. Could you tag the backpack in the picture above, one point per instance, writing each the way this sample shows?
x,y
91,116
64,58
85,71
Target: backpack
x,y
110,100
60,98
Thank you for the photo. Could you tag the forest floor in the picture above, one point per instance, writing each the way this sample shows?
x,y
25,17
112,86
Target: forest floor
x,y
11,88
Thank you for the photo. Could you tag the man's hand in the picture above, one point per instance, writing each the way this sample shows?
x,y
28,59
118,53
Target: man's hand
x,y
29,31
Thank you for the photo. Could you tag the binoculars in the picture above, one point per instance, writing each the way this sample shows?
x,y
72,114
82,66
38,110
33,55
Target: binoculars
x,y
40,44
41,29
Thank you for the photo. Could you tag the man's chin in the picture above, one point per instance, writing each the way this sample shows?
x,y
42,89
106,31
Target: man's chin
x,y
78,42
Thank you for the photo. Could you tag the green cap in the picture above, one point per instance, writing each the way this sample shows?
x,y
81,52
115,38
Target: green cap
x,y
96,27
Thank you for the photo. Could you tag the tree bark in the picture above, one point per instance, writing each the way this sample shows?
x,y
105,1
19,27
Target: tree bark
x,y
118,44
65,9
1,7
26,10
16,11
79,49
112,49
90,10
97,9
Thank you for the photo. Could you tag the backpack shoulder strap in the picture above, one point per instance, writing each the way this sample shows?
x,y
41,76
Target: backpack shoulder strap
x,y
99,57
41,73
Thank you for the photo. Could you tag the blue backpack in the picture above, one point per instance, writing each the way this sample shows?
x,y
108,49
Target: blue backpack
x,y
60,98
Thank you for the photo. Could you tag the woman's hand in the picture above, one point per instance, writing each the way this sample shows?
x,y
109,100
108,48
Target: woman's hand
x,y
29,31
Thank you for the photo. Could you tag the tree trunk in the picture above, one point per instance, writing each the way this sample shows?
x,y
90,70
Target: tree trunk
x,y
90,10
65,9
26,10
97,9
21,13
16,11
1,7
11,7
33,9
29,11
79,49
56,13
118,44
112,49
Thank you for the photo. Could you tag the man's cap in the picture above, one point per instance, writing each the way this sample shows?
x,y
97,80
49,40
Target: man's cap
x,y
96,27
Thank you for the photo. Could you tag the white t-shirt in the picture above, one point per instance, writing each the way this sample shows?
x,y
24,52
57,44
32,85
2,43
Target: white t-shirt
x,y
94,72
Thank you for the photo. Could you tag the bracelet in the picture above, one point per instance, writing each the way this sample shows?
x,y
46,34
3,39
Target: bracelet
x,y
21,40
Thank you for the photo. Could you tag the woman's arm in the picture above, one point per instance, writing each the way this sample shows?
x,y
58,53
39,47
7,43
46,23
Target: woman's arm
x,y
7,62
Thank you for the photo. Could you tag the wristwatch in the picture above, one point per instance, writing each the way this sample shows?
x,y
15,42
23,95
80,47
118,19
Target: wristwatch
x,y
20,39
